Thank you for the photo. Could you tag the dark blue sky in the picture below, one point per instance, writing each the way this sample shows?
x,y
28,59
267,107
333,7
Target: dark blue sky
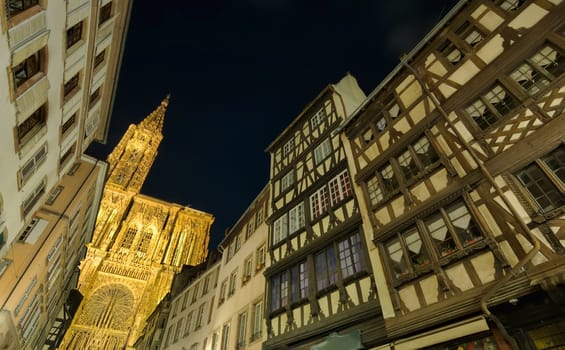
x,y
239,72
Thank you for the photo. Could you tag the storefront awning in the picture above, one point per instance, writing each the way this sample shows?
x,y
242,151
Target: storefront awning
x,y
334,341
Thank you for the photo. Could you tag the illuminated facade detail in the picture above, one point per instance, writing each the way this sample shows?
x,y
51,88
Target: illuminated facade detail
x,y
139,243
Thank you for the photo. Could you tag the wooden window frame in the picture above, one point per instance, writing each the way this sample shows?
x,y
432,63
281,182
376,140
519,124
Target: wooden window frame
x,y
484,121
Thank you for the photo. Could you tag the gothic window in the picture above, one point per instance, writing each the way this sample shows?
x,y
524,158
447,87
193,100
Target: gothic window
x,y
544,180
322,151
449,229
418,158
109,307
143,244
492,106
129,236
340,188
539,70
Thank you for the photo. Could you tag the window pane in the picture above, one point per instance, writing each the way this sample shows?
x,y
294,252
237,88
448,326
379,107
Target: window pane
x,y
440,235
550,60
350,255
463,223
397,258
556,162
425,152
407,165
543,191
416,251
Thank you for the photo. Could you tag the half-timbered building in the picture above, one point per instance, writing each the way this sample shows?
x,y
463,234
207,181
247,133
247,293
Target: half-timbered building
x,y
458,163
320,280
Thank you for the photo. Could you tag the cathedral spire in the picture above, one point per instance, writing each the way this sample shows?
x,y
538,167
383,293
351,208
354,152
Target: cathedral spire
x,y
154,121
132,158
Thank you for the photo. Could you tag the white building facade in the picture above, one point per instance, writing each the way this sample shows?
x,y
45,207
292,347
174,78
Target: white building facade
x,y
60,61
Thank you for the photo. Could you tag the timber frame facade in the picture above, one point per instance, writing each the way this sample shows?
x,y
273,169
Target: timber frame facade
x,y
458,164
320,279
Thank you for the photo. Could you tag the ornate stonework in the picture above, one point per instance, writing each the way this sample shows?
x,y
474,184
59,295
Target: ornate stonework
x,y
139,243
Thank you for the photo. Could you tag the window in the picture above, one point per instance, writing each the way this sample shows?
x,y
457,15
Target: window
x,y
492,106
185,299
287,180
390,112
318,118
223,290
237,242
32,199
416,160
470,34
509,5
178,330
225,336
188,326
16,6
449,229
288,223
259,216
129,236
200,315
195,293
67,155
105,13
94,97
31,166
290,286
540,70
241,330
257,320
322,151
350,257
68,124
215,339
326,268
233,280
247,269
74,34
53,195
206,285
340,188
288,147
27,69
448,50
544,181
29,127
319,202
70,86
250,228
260,257
99,59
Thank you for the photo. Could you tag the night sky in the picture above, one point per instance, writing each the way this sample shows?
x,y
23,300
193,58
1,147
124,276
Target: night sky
x,y
238,73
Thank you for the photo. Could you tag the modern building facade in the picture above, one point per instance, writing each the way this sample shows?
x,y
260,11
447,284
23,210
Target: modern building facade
x,y
138,245
320,280
223,308
458,163
60,62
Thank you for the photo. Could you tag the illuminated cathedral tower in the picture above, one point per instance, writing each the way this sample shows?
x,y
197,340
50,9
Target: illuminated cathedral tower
x,y
139,243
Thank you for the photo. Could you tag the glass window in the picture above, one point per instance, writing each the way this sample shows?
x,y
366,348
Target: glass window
x,y
257,320
492,106
27,69
350,259
319,202
287,180
340,188
105,13
540,70
322,151
16,6
241,329
74,34
318,118
544,180
326,268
